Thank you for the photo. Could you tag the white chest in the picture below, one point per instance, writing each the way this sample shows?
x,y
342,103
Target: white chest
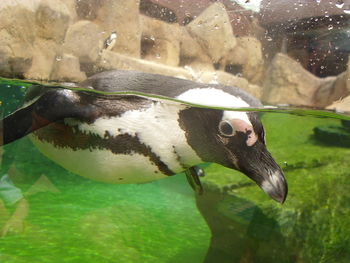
x,y
158,133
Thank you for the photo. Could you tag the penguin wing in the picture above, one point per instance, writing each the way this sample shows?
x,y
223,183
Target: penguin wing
x,y
51,106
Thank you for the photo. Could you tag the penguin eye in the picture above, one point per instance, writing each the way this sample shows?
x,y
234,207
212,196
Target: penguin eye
x,y
226,129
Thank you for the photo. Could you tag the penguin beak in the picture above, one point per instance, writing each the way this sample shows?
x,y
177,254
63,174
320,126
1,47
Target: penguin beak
x,y
275,185
266,173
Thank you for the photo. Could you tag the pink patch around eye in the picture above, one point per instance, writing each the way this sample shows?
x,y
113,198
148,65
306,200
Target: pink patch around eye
x,y
242,126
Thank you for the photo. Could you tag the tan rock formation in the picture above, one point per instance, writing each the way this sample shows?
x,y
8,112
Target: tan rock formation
x,y
84,40
67,69
15,38
212,29
342,105
52,19
110,60
248,54
192,54
160,41
287,82
15,55
44,55
331,89
123,18
87,9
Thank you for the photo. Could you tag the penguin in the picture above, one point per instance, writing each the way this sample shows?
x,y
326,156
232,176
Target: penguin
x,y
128,137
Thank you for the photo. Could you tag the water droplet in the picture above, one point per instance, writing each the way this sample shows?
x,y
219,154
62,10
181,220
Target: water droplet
x,y
58,58
330,27
318,1
158,56
216,27
269,38
339,4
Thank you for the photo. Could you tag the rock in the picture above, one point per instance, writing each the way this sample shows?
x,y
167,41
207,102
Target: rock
x,y
18,19
52,19
342,105
17,33
155,10
184,11
192,54
84,40
331,89
220,77
44,55
16,55
212,29
71,6
110,60
157,44
87,9
248,54
67,69
287,82
121,17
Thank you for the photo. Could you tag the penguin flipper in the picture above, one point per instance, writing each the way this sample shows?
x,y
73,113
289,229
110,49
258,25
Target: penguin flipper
x,y
192,175
53,105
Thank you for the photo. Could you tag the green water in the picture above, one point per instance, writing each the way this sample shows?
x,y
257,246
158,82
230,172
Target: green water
x,y
72,219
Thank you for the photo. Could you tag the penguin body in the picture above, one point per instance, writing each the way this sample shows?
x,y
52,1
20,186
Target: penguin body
x,y
137,139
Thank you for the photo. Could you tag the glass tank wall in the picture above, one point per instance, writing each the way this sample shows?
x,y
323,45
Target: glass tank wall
x,y
291,55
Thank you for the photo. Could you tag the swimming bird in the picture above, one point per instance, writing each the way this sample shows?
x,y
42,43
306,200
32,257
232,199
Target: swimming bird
x,y
140,136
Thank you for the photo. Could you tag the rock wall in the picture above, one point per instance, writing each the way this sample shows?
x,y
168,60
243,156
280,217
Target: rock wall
x,y
287,82
69,40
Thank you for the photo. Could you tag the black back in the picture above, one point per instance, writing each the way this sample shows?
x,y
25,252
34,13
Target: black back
x,y
122,80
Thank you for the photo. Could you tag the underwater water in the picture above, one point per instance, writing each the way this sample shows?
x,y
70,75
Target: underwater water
x,y
72,219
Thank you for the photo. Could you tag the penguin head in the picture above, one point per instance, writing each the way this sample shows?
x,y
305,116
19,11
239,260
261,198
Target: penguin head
x,y
236,140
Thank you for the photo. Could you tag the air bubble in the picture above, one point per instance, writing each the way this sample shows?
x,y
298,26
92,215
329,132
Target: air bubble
x,y
330,27
339,4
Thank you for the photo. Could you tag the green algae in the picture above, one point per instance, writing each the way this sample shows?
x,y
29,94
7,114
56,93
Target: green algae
x,y
313,224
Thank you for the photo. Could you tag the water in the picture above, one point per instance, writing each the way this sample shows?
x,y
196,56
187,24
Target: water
x,y
72,219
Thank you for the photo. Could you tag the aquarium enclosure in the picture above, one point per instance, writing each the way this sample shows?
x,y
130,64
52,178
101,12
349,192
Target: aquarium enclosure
x,y
292,55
